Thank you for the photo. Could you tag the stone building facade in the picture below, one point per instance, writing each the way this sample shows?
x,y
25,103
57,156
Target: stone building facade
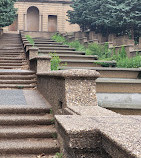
x,y
42,15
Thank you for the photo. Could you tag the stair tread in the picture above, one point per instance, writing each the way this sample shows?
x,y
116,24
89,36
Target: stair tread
x,y
22,144
28,156
118,80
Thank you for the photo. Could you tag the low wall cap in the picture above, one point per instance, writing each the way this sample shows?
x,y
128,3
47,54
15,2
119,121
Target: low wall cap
x,y
74,73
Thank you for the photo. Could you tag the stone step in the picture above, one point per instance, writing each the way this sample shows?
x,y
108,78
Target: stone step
x,y
24,120
10,67
18,86
22,109
56,48
16,72
61,52
29,146
29,156
43,40
11,45
51,45
15,132
12,51
82,63
13,81
115,85
54,43
78,57
10,64
10,48
8,58
17,77
10,61
108,72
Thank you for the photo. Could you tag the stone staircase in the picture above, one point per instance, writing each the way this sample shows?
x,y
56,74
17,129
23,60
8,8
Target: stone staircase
x,y
27,127
69,56
26,131
14,71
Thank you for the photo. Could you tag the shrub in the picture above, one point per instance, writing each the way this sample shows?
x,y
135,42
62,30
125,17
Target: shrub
x,y
55,61
59,38
77,45
30,40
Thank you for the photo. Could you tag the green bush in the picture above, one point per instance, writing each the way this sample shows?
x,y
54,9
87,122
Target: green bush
x,y
55,61
77,45
59,38
30,40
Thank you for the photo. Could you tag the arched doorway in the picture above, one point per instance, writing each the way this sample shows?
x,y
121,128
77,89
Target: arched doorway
x,y
33,19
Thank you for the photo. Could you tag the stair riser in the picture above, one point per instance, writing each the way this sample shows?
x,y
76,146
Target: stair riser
x,y
79,64
47,45
118,74
54,43
17,78
64,53
26,135
17,86
30,151
56,49
77,58
10,64
118,88
11,61
25,122
17,82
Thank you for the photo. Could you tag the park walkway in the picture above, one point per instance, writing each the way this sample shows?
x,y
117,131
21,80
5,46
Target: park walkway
x,y
26,121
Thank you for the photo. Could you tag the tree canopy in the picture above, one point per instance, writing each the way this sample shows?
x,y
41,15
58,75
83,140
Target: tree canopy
x,y
7,12
107,16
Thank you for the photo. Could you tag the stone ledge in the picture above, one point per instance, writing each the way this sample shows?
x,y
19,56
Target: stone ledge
x,y
74,73
120,135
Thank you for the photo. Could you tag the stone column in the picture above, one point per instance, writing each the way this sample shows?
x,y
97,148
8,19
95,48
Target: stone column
x,y
25,22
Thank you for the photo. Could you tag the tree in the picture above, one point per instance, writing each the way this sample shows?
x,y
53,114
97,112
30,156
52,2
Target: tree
x,y
7,12
107,16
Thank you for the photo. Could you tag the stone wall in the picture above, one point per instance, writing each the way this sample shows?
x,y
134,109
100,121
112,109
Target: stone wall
x,y
1,32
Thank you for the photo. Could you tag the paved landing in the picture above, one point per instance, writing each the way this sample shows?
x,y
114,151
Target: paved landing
x,y
22,98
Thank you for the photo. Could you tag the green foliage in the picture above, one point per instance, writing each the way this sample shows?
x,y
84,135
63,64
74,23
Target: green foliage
x,y
30,40
58,38
102,51
59,155
107,16
55,61
7,12
73,44
76,45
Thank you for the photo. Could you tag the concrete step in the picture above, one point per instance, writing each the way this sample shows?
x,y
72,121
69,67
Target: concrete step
x,y
29,156
108,72
15,132
16,72
54,43
10,64
10,67
22,109
18,86
118,85
82,63
10,61
17,81
77,57
24,120
61,52
29,146
17,77
51,45
56,48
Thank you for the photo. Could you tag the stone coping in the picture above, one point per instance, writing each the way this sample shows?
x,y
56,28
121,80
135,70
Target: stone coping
x,y
129,45
74,73
123,132
41,58
34,48
118,80
91,111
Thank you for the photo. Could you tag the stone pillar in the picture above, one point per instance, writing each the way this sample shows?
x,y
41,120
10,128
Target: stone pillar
x,y
33,52
65,88
40,22
40,64
25,22
140,42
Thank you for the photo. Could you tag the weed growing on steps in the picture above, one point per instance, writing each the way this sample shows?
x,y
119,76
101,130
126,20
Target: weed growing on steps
x,y
55,61
59,155
30,40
